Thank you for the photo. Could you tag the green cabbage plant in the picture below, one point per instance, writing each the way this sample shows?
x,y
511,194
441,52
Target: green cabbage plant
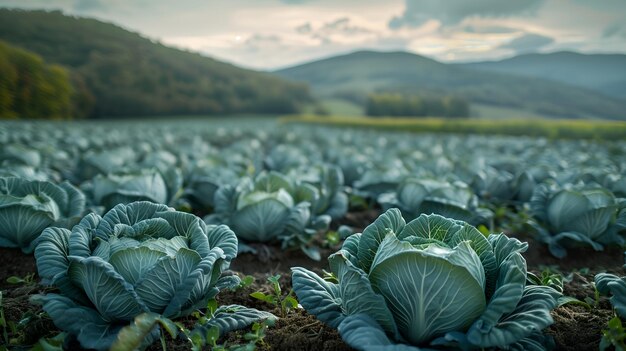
x,y
329,196
433,282
425,196
270,208
27,207
587,215
131,186
140,257
203,182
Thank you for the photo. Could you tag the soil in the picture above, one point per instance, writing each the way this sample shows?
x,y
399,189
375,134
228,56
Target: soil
x,y
576,327
15,264
32,323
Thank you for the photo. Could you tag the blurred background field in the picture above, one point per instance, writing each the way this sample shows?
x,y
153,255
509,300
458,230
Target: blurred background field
x,y
537,127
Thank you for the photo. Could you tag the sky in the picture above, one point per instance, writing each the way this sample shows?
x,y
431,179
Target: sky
x,y
271,34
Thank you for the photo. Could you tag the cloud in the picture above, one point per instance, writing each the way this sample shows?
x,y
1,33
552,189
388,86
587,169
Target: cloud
x,y
89,5
418,12
294,2
304,28
261,42
340,29
489,29
614,30
343,26
528,43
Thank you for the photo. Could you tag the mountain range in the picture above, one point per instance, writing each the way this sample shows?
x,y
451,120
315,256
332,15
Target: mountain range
x,y
605,73
117,73
353,76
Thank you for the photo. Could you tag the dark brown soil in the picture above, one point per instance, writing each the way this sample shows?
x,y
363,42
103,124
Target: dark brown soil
x,y
30,320
577,258
358,220
272,260
15,263
577,327
301,331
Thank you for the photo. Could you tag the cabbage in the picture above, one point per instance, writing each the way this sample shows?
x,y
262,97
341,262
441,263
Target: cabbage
x,y
584,215
454,200
431,282
270,208
137,258
28,207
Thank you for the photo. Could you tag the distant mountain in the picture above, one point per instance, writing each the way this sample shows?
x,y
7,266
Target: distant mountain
x,y
605,73
120,73
353,76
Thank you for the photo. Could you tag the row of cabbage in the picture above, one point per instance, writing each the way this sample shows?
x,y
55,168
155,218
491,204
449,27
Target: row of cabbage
x,y
433,282
287,184
112,258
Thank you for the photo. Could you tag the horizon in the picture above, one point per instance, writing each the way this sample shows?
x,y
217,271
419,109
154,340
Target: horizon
x,y
449,33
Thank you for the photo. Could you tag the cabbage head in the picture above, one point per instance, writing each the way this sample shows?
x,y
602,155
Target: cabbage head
x,y
329,196
582,215
433,282
131,186
140,257
453,200
202,183
27,207
270,207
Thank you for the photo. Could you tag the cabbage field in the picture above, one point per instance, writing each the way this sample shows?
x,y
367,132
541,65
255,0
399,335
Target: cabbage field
x,y
252,234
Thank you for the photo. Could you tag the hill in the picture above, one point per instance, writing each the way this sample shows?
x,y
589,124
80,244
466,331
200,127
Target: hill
x,y
120,73
30,88
605,73
353,76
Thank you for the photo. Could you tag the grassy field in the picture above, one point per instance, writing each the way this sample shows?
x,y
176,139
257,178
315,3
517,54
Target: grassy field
x,y
549,128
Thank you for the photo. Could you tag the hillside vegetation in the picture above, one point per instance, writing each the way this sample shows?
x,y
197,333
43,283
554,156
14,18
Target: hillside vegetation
x,y
605,73
29,87
353,76
129,75
405,105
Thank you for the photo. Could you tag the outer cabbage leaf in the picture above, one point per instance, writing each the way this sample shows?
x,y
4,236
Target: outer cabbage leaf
x,y
317,296
610,284
28,207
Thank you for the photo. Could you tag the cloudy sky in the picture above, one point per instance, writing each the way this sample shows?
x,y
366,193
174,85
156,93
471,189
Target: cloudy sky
x,y
268,34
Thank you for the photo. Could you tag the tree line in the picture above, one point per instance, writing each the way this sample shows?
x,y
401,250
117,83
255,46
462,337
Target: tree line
x,y
397,104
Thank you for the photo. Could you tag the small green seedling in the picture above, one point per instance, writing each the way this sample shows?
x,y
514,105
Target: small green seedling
x,y
595,301
258,333
614,336
245,282
276,298
553,279
27,280
254,338
332,238
547,278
